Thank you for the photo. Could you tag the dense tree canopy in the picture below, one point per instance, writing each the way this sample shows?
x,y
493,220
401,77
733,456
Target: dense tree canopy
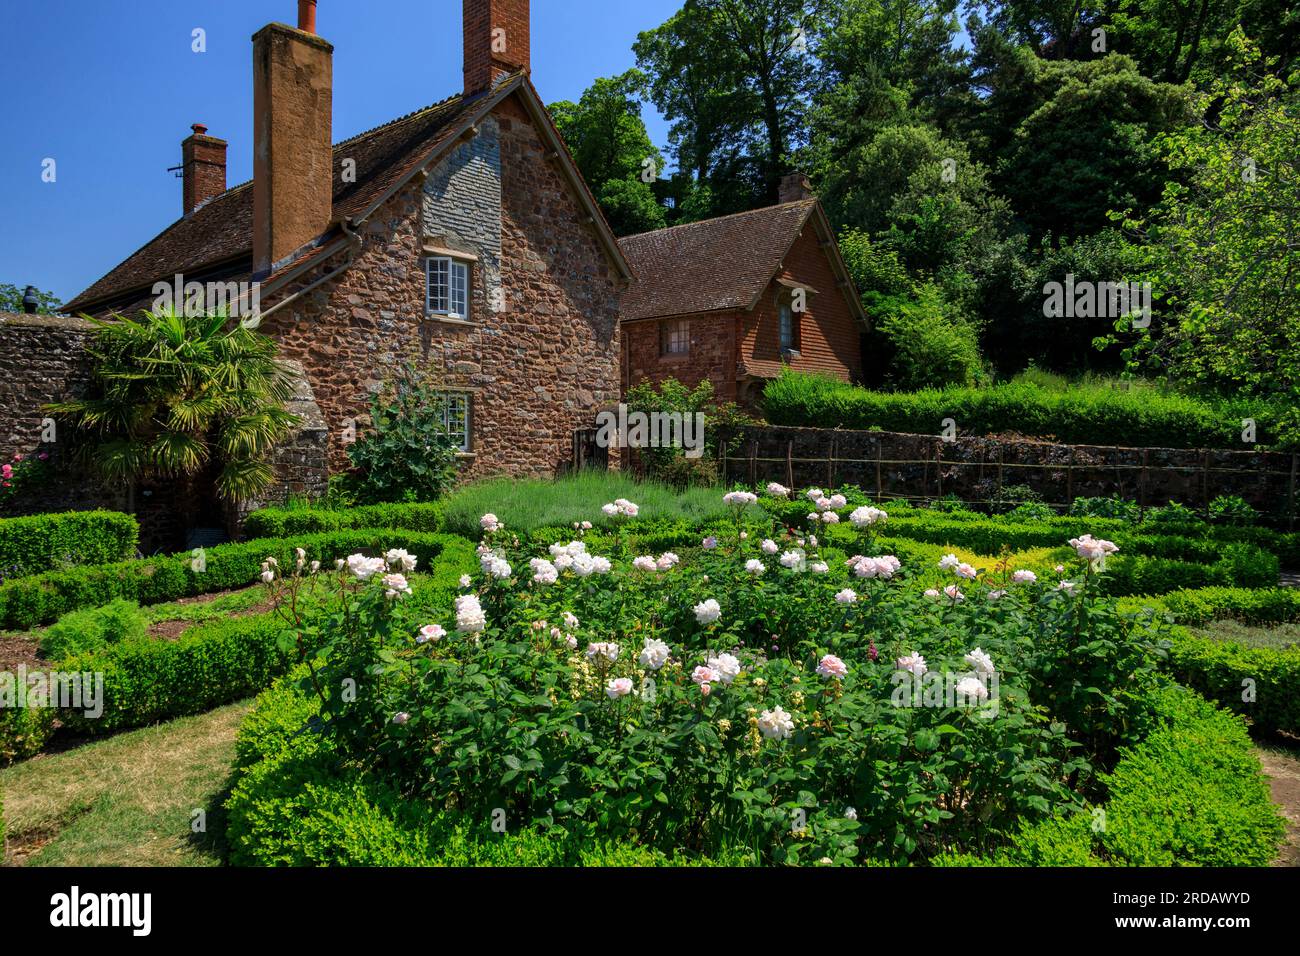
x,y
972,154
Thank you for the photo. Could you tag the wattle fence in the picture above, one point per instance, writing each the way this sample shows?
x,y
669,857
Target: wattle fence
x,y
977,470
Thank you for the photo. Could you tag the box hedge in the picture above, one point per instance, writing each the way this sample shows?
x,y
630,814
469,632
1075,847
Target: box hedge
x,y
1190,794
294,522
147,680
39,543
43,598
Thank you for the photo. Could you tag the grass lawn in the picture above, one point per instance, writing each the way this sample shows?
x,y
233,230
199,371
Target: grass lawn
x,y
537,503
1278,636
125,801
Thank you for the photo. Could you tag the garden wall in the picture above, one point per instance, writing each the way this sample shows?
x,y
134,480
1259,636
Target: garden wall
x,y
921,467
43,359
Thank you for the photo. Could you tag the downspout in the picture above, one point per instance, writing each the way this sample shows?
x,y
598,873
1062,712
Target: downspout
x,y
354,242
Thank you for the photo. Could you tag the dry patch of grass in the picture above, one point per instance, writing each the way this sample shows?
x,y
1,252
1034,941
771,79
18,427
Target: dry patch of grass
x,y
126,801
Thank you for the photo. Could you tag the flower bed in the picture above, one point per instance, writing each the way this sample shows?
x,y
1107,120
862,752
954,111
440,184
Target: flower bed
x,y
43,598
45,542
148,679
755,698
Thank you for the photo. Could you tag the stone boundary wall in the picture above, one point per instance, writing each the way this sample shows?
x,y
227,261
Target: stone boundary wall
x,y
925,467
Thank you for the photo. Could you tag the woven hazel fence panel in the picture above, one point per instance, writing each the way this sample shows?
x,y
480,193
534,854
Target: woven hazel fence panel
x,y
925,467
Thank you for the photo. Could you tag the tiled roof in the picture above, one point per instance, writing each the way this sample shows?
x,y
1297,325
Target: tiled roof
x,y
723,263
218,236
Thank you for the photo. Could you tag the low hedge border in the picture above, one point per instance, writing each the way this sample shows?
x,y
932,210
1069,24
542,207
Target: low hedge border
x,y
292,806
39,543
1190,794
147,680
292,522
44,598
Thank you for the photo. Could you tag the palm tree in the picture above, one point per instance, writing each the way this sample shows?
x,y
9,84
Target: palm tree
x,y
173,394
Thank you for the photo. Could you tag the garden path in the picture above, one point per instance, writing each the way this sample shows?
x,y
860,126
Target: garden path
x,y
1282,767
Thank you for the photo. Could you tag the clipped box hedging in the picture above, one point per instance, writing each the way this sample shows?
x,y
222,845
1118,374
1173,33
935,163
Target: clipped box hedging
x,y
1092,416
147,680
1239,565
292,806
38,543
293,522
1190,794
43,598
1200,606
1257,682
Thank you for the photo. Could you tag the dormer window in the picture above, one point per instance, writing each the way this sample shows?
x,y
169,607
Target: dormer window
x,y
447,287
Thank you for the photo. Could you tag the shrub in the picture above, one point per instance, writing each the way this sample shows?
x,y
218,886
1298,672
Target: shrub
x,y
293,522
1081,415
91,629
407,453
1190,794
1257,682
176,393
1249,605
42,598
1230,509
46,542
1118,508
933,343
148,680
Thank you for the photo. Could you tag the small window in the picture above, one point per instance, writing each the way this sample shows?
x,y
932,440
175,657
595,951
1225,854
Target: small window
x,y
456,418
447,287
676,337
789,329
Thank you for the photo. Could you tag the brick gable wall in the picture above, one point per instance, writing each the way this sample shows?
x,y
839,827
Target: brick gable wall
x,y
538,369
723,343
830,337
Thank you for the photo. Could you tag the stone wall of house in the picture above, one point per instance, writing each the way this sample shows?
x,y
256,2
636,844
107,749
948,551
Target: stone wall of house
x,y
536,370
711,356
925,467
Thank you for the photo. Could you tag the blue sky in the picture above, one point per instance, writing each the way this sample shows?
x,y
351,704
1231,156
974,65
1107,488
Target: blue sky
x,y
109,90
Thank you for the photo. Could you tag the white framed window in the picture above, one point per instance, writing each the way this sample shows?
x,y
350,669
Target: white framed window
x,y
456,418
675,337
789,328
446,287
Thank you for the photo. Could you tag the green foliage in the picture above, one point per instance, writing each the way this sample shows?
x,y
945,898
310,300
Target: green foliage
x,y
407,453
43,598
293,522
1218,248
1230,509
179,396
609,142
11,300
672,464
1190,794
1117,508
1257,682
932,342
45,542
1090,416
1249,605
80,631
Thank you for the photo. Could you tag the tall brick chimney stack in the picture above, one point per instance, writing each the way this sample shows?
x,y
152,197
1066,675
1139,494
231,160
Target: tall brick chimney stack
x,y
293,87
796,186
203,168
498,42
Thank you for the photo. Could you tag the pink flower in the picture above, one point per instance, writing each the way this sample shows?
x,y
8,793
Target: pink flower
x,y
832,666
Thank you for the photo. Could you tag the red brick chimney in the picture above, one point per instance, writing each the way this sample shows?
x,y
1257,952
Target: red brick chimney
x,y
293,86
203,168
497,42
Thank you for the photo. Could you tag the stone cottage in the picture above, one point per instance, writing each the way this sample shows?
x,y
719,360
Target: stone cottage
x,y
736,299
461,236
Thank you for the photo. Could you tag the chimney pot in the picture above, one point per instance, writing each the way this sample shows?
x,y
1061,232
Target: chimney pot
x,y
30,302
203,168
307,15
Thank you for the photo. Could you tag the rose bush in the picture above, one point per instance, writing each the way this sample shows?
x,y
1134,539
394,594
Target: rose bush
x,y
762,691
